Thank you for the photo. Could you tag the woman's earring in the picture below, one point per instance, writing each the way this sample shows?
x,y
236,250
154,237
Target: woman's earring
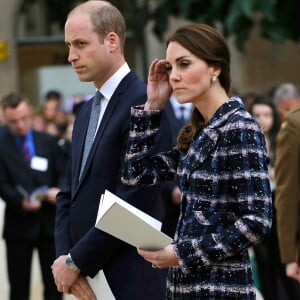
x,y
214,79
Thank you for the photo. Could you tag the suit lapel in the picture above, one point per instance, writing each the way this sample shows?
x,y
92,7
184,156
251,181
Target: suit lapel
x,y
112,105
78,142
104,123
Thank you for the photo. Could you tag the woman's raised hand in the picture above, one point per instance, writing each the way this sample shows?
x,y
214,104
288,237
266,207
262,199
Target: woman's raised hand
x,y
159,89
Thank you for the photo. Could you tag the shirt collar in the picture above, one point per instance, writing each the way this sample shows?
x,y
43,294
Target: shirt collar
x,y
109,87
28,137
176,105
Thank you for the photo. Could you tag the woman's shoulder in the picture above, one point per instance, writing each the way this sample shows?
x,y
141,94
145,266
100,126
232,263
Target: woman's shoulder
x,y
242,120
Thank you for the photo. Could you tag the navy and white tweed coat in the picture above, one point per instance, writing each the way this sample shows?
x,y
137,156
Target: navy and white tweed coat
x,y
226,199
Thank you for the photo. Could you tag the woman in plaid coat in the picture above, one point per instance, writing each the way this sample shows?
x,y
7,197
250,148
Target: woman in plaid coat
x,y
221,162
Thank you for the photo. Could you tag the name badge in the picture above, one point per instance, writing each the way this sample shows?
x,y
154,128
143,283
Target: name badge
x,y
39,163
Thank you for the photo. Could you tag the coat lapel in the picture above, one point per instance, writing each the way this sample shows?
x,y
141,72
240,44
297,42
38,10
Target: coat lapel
x,y
202,147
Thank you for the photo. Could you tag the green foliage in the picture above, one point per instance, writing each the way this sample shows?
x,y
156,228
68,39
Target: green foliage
x,y
279,20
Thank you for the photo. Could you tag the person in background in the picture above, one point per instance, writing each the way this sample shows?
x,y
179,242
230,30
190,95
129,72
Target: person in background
x,y
271,274
287,199
28,160
95,35
38,121
285,96
263,109
2,120
221,163
52,105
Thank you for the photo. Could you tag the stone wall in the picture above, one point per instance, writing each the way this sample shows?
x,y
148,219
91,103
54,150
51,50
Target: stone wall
x,y
9,67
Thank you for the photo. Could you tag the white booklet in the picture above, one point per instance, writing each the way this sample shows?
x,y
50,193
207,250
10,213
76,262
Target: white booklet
x,y
39,194
129,224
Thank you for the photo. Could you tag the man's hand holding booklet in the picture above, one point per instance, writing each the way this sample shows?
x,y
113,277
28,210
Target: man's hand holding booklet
x,y
39,194
129,224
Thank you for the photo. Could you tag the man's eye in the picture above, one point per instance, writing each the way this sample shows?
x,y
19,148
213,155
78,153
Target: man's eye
x,y
80,44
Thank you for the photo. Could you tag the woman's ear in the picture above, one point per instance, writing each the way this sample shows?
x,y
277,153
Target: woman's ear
x,y
215,71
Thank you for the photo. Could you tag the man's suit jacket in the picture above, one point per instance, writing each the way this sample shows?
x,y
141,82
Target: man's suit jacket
x,y
287,197
14,170
174,124
128,274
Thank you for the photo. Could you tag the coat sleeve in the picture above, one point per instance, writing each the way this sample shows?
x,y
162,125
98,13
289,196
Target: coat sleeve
x,y
63,242
140,166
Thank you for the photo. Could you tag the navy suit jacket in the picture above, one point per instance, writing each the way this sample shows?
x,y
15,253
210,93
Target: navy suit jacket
x,y
14,170
127,273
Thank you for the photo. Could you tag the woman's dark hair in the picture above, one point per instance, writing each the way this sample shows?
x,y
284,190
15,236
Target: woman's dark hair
x,y
206,43
265,100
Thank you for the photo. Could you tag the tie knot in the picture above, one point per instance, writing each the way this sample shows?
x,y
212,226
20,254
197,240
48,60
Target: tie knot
x,y
182,113
98,97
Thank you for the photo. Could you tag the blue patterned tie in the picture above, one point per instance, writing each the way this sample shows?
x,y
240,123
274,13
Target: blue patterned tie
x,y
25,149
89,139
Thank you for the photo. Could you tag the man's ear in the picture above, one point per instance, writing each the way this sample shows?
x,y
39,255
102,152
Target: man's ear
x,y
112,41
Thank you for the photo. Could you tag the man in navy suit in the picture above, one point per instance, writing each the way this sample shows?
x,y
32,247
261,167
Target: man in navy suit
x,y
95,34
28,160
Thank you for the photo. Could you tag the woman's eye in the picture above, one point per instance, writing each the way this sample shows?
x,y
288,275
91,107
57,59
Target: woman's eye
x,y
168,69
184,64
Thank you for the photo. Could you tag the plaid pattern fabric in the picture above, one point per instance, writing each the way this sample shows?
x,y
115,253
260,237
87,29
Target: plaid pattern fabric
x,y
226,199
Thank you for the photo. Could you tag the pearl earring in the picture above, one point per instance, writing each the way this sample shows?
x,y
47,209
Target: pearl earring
x,y
214,79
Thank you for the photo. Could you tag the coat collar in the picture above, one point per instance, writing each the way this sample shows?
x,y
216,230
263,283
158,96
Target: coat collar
x,y
202,146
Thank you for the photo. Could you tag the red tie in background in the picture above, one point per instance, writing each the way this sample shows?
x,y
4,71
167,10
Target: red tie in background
x,y
25,150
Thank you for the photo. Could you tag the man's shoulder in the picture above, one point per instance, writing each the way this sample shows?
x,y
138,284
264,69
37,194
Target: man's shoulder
x,y
294,111
132,81
293,116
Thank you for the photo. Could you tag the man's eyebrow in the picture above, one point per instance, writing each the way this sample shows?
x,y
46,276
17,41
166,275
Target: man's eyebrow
x,y
75,41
